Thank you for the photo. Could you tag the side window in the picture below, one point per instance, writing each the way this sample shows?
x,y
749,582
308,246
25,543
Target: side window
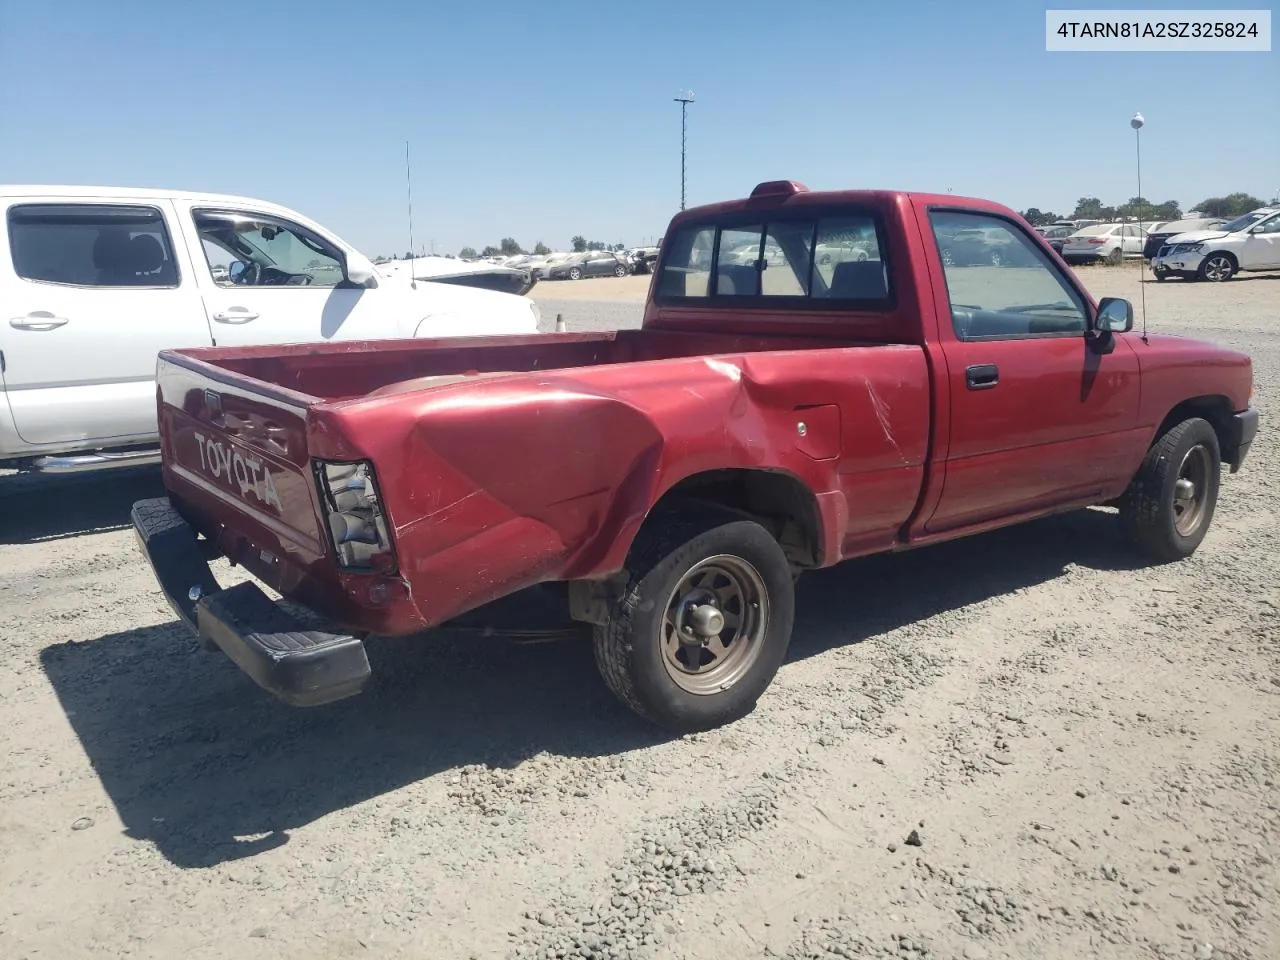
x,y
847,263
1270,226
252,250
686,271
92,245
1022,296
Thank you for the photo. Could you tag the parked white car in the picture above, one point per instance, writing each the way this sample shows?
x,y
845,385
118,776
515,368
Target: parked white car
x,y
1111,242
95,282
1249,242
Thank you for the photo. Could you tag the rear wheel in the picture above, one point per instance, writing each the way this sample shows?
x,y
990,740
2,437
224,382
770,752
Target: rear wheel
x,y
1115,256
575,273
703,623
1168,507
619,271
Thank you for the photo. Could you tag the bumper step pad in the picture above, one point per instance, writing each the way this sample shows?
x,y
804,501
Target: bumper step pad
x,y
300,665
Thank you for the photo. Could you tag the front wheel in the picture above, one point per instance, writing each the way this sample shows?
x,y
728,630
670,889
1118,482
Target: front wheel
x,y
1217,268
619,271
703,624
1168,507
575,273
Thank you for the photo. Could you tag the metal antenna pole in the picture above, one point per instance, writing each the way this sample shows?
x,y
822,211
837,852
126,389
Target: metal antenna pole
x,y
684,100
408,182
1136,122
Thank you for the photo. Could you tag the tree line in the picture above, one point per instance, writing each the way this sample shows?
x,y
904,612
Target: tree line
x,y
1091,208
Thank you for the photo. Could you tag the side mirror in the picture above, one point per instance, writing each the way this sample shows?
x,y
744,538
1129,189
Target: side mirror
x,y
360,271
235,268
1114,315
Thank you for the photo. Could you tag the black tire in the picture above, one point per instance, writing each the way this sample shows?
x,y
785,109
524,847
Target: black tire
x,y
619,271
629,648
1151,514
1217,268
575,273
1115,256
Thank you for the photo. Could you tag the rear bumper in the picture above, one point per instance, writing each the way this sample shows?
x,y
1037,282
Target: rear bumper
x,y
300,665
1244,427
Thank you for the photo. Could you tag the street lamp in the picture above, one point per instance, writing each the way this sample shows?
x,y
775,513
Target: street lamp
x,y
1136,121
684,99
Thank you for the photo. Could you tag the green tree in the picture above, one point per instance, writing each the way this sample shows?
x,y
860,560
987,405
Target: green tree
x,y
1232,205
579,244
409,255
467,253
1037,217
1169,210
490,251
509,247
595,245
540,249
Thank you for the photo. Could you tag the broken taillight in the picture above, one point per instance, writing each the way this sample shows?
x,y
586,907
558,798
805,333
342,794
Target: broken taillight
x,y
354,514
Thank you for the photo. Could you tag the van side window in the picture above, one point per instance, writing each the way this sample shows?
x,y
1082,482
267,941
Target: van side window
x,y
1002,285
92,245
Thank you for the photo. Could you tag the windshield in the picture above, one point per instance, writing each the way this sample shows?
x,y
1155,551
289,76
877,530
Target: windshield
x,y
1239,223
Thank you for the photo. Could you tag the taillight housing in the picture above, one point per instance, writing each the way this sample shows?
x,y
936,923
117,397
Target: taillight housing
x,y
358,527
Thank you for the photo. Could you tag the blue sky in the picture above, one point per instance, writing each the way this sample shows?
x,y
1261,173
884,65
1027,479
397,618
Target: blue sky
x,y
543,120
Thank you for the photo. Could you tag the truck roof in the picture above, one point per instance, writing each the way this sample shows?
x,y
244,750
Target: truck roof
x,y
86,192
788,192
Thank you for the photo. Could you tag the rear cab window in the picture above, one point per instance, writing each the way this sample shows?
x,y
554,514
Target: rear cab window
x,y
90,244
803,260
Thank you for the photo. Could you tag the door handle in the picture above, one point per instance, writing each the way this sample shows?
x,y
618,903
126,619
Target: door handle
x,y
37,320
981,376
235,315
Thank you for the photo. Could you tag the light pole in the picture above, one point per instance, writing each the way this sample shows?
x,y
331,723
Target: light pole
x,y
684,100
1136,121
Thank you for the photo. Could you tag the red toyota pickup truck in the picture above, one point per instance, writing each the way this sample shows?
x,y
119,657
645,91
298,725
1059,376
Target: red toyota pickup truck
x,y
818,376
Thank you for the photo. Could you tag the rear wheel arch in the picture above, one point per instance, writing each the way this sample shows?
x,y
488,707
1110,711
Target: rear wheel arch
x,y
779,500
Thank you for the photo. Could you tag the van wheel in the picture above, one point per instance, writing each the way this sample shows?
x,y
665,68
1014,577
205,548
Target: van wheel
x,y
1168,507
703,623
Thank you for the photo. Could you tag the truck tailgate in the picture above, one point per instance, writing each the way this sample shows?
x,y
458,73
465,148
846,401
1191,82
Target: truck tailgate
x,y
235,454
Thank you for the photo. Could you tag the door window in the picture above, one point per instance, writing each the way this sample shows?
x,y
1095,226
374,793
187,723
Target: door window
x,y
1024,296
92,245
252,250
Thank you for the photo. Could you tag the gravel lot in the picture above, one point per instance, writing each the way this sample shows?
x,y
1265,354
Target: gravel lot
x,y
1019,745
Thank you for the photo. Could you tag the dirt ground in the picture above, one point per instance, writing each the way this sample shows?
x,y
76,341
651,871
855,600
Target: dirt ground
x,y
1021,745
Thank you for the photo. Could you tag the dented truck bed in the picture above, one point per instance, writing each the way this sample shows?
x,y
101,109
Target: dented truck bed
x,y
393,486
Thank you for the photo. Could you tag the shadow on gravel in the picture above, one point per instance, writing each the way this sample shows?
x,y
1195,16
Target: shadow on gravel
x,y
863,598
34,508
210,769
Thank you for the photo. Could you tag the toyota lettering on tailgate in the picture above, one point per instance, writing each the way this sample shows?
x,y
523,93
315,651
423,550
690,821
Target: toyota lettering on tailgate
x,y
247,474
